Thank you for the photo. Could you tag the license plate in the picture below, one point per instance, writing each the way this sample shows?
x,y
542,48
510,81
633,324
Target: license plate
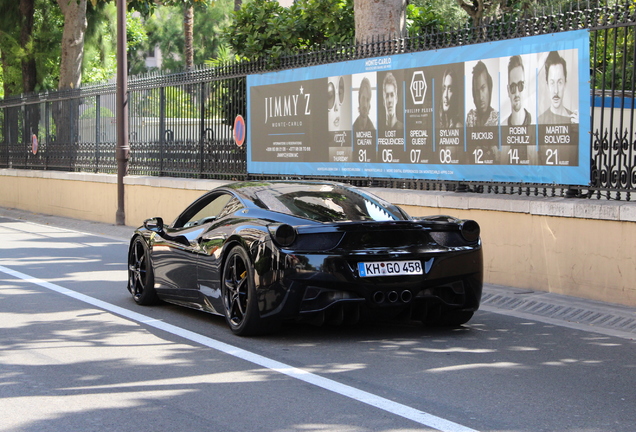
x,y
390,268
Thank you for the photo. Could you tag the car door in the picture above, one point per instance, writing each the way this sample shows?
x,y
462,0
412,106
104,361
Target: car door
x,y
175,256
176,253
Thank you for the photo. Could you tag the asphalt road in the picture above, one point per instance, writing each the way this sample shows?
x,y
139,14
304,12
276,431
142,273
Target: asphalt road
x,y
77,354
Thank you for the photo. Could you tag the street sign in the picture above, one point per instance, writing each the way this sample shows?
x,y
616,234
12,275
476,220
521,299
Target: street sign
x,y
239,130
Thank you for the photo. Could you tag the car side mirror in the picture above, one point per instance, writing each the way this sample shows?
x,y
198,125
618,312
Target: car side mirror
x,y
154,224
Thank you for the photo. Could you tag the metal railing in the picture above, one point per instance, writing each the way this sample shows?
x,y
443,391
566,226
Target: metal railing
x,y
180,123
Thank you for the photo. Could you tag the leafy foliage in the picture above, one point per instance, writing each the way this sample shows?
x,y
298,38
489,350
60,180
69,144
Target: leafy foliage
x,y
612,59
100,44
44,45
89,113
264,29
178,103
165,31
424,18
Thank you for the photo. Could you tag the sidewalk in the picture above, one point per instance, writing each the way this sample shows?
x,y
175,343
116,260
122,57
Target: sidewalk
x,y
577,313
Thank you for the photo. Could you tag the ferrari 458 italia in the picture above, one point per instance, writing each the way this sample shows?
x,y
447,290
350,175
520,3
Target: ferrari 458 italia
x,y
263,252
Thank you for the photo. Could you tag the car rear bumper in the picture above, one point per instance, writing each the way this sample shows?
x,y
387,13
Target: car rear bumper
x,y
321,282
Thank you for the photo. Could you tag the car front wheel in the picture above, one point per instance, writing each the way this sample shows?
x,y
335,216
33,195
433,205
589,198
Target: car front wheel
x,y
239,294
141,278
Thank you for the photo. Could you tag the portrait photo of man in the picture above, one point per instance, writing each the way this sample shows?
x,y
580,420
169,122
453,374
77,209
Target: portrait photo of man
x,y
390,96
449,115
518,89
482,91
363,121
556,75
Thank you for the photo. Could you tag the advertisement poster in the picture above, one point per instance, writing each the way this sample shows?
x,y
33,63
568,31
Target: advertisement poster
x,y
505,111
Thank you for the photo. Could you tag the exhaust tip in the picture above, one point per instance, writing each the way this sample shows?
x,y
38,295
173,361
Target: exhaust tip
x,y
378,297
406,296
392,296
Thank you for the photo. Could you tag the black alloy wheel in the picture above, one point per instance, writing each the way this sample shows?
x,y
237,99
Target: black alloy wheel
x,y
141,278
239,297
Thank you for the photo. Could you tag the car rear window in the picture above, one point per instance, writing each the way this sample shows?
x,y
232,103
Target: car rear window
x,y
326,203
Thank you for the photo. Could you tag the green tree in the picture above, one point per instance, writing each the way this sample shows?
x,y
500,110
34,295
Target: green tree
x,y
165,32
427,16
10,49
29,71
44,47
100,53
188,28
264,29
612,57
178,103
34,48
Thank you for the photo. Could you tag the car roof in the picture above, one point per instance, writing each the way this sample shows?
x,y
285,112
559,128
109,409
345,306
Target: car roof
x,y
306,198
253,189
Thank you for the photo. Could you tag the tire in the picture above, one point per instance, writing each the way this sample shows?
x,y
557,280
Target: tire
x,y
141,279
239,294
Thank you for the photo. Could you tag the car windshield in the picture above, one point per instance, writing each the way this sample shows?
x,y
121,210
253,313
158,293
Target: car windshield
x,y
324,202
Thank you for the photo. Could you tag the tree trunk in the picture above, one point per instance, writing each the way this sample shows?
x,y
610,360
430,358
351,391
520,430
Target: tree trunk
x,y
475,9
188,24
379,19
11,125
29,68
75,23
66,112
9,56
29,71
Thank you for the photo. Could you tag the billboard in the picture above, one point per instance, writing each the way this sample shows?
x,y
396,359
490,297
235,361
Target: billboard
x,y
504,111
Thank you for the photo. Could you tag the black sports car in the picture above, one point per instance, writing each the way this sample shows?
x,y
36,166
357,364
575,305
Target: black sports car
x,y
263,252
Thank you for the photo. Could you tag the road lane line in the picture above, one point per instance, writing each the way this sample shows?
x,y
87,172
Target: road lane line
x,y
392,407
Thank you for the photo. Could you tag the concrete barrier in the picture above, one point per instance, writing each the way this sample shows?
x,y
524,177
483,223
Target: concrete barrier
x,y
568,246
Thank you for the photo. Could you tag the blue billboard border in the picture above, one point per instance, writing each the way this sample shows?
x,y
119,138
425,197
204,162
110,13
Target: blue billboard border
x,y
566,175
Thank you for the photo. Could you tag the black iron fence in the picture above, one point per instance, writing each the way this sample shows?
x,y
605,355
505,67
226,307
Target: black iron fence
x,y
181,124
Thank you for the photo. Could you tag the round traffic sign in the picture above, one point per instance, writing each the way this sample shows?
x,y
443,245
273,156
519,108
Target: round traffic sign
x,y
239,130
34,144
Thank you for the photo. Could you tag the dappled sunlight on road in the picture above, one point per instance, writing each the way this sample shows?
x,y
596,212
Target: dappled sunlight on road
x,y
89,275
336,428
455,350
335,367
48,260
498,365
92,276
98,362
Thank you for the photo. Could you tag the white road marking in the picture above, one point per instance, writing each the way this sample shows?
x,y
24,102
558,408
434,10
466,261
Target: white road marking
x,y
392,407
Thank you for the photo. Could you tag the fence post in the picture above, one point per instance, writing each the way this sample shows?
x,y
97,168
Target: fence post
x,y
162,126
97,130
201,129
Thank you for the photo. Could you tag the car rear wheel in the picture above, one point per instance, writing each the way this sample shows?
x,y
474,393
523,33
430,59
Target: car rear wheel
x,y
141,279
239,294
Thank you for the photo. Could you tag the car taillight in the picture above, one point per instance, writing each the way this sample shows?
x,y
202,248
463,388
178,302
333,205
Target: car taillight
x,y
284,235
470,230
